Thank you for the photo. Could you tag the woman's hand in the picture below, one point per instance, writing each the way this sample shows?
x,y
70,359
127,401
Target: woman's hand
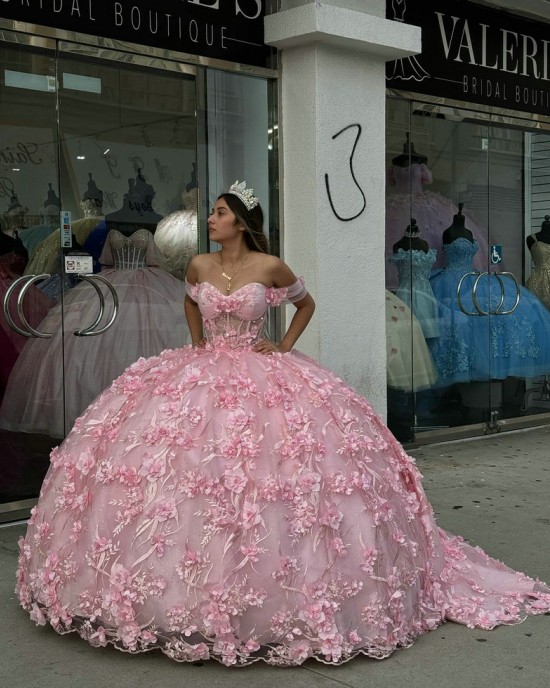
x,y
267,347
200,343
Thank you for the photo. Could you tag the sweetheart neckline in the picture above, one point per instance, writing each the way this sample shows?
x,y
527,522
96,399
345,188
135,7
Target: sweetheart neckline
x,y
236,290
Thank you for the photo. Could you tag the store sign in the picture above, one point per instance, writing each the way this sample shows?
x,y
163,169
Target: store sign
x,y
230,30
473,53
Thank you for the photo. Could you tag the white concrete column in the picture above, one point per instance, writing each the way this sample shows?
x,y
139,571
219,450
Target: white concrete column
x,y
333,58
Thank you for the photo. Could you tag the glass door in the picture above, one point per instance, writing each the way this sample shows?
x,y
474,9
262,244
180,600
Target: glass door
x,y
106,154
466,255
29,216
128,140
519,205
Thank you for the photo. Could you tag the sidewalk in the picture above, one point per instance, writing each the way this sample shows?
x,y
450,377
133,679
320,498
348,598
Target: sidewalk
x,y
494,491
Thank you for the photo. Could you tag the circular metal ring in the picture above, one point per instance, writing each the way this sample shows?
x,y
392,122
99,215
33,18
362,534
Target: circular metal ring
x,y
90,331
480,310
30,331
458,293
20,312
518,294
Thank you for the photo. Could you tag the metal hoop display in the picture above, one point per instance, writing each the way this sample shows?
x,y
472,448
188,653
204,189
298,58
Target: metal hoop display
x,y
491,311
90,331
30,331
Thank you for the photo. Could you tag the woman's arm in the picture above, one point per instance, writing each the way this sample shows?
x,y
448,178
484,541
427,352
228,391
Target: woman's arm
x,y
194,320
304,310
283,276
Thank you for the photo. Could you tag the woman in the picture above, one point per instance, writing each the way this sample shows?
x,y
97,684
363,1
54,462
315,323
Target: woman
x,y
234,500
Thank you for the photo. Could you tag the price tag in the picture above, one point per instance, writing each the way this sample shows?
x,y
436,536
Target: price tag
x,y
83,265
66,229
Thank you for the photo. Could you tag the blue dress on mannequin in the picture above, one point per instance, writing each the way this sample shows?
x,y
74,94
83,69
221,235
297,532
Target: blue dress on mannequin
x,y
492,347
414,288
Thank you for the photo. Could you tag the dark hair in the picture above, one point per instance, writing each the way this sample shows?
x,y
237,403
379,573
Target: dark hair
x,y
251,220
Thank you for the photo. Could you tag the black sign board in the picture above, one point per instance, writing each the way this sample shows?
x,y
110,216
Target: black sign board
x,y
230,30
475,54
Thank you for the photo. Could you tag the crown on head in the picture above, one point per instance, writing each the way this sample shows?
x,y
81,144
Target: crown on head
x,y
246,195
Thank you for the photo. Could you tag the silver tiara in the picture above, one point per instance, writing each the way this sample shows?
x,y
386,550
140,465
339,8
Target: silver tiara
x,y
246,195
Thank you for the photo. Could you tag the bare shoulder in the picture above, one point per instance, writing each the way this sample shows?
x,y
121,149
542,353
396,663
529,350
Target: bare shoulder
x,y
197,265
201,259
281,275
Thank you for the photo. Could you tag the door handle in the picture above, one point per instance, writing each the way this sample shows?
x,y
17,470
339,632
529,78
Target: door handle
x,y
459,291
491,311
30,331
90,331
518,293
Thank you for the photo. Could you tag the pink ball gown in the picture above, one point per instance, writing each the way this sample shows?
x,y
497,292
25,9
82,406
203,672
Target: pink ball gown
x,y
217,502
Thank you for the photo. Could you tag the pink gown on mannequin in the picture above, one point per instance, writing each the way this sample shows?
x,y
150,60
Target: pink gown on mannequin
x,y
432,211
150,319
35,306
217,502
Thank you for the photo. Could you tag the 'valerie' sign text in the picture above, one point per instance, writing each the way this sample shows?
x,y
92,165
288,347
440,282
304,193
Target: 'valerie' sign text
x,y
475,54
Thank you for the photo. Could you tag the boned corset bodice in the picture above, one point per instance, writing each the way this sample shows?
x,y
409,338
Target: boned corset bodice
x,y
129,252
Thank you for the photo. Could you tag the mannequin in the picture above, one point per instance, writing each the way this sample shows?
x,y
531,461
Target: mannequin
x,y
414,259
15,216
477,349
542,235
150,319
409,155
411,240
137,210
539,245
52,198
411,196
92,200
458,229
176,236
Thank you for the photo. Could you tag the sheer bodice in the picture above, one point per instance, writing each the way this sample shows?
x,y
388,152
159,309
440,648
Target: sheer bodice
x,y
237,319
129,252
460,254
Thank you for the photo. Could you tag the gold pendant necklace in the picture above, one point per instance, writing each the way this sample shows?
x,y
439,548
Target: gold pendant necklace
x,y
232,277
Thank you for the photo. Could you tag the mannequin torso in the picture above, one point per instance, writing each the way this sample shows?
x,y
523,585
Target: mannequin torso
x,y
458,229
543,235
411,241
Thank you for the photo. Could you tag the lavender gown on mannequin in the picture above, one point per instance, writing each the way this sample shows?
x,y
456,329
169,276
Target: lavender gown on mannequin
x,y
433,212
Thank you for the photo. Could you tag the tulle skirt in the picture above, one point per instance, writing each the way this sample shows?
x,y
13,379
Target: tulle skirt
x,y
227,504
151,318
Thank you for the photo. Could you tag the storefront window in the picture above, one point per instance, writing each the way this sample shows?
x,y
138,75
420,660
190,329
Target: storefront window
x,y
108,168
463,196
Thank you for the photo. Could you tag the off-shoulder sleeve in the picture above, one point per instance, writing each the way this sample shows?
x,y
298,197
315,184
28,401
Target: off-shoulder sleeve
x,y
296,291
275,296
192,290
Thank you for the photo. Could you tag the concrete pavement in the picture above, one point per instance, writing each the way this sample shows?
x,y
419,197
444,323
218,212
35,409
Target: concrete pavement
x,y
494,491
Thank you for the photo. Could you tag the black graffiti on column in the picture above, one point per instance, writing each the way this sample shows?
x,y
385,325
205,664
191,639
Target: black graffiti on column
x,y
347,219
